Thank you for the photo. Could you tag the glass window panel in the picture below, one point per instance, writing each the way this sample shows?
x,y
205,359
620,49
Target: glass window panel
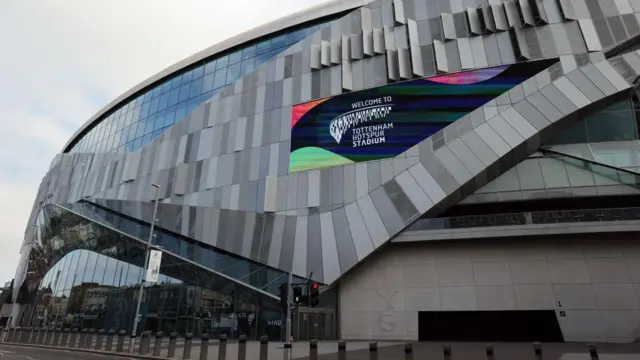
x,y
249,52
101,265
170,116
210,67
181,111
579,173
153,106
159,123
275,53
145,110
278,42
207,83
110,271
247,66
615,123
128,146
187,77
155,92
184,92
140,128
146,139
174,95
235,57
176,82
263,47
192,104
163,101
508,181
222,62
137,144
220,78
146,97
197,73
133,275
195,88
233,73
205,96
131,132
292,38
554,173
166,87
156,133
262,58
576,134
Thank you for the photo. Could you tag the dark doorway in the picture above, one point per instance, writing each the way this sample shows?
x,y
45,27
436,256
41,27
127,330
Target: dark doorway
x,y
536,325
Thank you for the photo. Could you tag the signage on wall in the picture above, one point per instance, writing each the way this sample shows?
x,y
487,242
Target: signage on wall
x,y
385,121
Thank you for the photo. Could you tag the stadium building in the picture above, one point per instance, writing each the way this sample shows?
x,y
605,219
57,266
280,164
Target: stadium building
x,y
446,169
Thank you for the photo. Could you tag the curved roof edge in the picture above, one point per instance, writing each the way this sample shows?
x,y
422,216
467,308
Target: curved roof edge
x,y
294,19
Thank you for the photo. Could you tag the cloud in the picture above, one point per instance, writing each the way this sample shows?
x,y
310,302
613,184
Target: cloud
x,y
63,60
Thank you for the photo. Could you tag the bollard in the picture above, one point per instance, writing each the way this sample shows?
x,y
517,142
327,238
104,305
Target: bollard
x,y
48,337
88,344
446,351
1,335
373,351
39,336
65,338
34,336
56,336
593,352
18,335
242,347
204,347
188,341
342,350
74,338
99,339
286,352
489,351
110,339
408,351
145,342
537,350
29,336
313,349
158,344
82,338
120,345
264,347
222,347
172,345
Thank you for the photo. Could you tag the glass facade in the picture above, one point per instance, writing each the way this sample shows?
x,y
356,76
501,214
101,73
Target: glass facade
x,y
137,122
84,274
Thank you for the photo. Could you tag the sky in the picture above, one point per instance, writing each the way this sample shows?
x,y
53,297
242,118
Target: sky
x,y
63,60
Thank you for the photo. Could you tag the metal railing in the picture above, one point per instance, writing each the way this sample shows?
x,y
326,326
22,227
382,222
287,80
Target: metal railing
x,y
527,218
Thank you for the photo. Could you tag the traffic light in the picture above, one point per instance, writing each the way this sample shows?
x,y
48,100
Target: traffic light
x,y
283,295
314,294
297,295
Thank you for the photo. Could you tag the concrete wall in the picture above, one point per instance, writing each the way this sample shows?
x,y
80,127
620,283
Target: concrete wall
x,y
595,280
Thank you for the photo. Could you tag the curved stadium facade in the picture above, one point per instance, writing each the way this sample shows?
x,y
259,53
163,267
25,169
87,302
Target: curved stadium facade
x,y
437,165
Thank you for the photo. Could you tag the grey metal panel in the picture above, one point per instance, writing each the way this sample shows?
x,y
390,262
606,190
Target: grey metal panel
x,y
362,184
300,250
499,17
404,64
464,155
479,148
393,71
519,123
567,10
336,51
478,52
585,85
491,138
356,46
598,79
466,54
475,25
367,43
526,11
590,35
538,110
398,12
330,262
487,15
388,213
325,53
441,56
427,183
378,41
315,60
453,165
275,247
558,99
346,251
362,241
448,27
314,247
571,91
372,221
415,193
612,75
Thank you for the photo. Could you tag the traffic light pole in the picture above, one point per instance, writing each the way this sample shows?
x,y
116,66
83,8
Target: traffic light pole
x,y
289,302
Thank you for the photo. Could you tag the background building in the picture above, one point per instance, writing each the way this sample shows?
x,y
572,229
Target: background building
x,y
438,165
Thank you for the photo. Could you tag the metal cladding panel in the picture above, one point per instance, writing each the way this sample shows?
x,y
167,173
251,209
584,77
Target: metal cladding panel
x,y
230,155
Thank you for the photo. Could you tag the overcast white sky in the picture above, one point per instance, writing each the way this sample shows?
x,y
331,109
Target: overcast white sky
x,y
63,60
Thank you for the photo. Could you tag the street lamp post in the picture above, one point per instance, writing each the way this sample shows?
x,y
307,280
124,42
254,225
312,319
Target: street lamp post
x,y
146,264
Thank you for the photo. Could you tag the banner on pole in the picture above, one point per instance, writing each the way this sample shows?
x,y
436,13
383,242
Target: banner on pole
x,y
153,271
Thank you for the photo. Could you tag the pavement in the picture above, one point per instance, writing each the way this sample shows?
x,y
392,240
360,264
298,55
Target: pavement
x,y
8,352
359,350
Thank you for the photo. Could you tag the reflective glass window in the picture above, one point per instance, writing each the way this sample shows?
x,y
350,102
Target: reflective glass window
x,y
263,47
207,83
615,123
222,62
184,92
197,73
235,57
233,73
220,78
100,267
210,67
249,52
278,42
110,272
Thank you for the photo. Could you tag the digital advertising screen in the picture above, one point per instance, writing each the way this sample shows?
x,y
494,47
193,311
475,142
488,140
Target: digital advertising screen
x,y
384,122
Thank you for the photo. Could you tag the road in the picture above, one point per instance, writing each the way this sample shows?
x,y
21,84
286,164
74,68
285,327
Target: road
x,y
24,353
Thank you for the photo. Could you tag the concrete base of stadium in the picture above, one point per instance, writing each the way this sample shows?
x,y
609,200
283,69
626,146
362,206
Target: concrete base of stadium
x,y
571,288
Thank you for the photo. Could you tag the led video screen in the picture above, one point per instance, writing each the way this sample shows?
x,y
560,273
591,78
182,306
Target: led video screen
x,y
385,121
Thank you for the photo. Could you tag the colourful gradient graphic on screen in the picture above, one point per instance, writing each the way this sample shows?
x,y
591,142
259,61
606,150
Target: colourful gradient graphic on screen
x,y
384,122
